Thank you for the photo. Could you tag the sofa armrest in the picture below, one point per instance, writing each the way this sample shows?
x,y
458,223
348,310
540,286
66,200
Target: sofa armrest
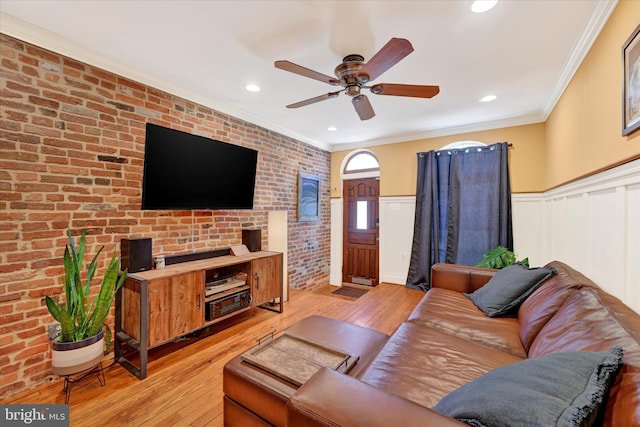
x,y
333,399
460,278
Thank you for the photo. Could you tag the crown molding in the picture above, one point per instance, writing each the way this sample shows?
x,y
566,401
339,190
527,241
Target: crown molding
x,y
580,50
47,40
457,130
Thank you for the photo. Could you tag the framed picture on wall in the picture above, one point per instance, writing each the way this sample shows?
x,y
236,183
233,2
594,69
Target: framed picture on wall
x,y
308,197
631,83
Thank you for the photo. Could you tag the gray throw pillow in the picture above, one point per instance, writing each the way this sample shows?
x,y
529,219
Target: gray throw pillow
x,y
508,288
559,389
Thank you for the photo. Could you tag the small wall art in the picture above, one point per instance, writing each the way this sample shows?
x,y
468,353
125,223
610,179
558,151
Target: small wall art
x,y
631,83
308,197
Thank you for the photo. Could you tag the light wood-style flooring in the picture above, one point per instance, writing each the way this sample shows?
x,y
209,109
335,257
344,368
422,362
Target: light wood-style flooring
x,y
184,382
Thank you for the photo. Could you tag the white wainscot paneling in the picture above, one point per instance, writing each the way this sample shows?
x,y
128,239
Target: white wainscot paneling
x,y
396,237
277,241
632,292
592,224
335,271
607,240
528,210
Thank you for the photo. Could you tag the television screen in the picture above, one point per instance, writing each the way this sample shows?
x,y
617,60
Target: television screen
x,y
184,171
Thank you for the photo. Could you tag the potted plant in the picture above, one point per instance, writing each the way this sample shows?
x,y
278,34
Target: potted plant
x,y
84,334
500,257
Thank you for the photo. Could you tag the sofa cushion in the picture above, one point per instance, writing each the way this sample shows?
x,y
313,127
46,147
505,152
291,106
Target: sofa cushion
x,y
508,288
592,320
561,389
450,312
544,302
423,364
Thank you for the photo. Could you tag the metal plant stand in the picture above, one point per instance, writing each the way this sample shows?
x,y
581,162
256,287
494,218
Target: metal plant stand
x,y
71,380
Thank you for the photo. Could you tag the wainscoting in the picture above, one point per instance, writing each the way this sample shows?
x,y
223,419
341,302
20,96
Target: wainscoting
x,y
592,224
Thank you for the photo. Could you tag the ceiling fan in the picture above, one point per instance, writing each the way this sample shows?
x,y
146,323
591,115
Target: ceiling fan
x,y
353,74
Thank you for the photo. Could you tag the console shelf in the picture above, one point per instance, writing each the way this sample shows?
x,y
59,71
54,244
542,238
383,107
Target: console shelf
x,y
157,306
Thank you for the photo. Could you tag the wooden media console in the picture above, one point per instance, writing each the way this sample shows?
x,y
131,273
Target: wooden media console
x,y
157,306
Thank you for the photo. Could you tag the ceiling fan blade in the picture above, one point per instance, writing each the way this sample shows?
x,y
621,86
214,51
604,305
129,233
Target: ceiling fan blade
x,y
363,107
300,70
416,91
314,100
387,57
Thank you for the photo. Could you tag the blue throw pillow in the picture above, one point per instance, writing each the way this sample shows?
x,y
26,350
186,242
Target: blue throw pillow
x,y
560,389
508,288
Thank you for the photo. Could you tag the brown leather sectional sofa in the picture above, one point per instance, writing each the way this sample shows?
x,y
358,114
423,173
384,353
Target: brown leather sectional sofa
x,y
445,343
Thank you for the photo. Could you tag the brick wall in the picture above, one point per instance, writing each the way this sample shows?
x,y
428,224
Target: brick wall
x,y
72,151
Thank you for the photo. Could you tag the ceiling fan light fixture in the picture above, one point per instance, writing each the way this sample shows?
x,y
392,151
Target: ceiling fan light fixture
x,y
480,6
332,128
252,87
353,73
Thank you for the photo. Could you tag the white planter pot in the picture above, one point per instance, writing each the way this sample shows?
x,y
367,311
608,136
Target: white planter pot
x,y
68,358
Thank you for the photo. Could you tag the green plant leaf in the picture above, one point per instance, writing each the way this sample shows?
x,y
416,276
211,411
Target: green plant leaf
x,y
66,323
106,295
107,338
81,317
498,257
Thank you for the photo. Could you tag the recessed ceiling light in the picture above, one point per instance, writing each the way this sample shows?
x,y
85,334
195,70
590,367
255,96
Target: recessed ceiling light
x,y
488,98
480,6
252,88
332,128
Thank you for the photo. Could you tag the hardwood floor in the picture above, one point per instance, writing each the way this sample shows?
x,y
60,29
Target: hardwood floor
x,y
184,383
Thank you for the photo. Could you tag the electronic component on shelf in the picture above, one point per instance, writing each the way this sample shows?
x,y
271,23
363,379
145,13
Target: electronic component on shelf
x,y
227,304
221,285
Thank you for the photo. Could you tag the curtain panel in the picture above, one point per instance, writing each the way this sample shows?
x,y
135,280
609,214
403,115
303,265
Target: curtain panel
x,y
463,208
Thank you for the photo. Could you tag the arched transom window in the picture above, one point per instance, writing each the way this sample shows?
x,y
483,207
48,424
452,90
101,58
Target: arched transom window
x,y
362,161
459,145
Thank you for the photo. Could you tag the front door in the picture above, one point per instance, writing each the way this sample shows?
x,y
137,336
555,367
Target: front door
x,y
360,231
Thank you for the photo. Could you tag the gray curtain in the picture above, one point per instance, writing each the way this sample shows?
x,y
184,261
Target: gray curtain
x,y
463,208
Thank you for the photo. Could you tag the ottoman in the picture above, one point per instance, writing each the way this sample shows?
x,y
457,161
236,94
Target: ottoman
x,y
253,397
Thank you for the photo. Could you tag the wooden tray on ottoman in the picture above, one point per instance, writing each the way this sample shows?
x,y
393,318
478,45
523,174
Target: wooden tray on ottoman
x,y
296,359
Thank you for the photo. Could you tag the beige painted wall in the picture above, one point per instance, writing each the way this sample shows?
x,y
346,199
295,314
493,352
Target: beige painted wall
x,y
398,165
584,131
582,135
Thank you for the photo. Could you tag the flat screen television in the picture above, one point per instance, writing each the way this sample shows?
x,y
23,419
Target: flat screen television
x,y
185,171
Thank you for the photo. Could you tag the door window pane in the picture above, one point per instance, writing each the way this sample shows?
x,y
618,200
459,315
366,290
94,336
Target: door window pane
x,y
361,215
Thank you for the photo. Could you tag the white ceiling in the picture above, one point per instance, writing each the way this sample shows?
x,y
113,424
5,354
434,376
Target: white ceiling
x,y
524,52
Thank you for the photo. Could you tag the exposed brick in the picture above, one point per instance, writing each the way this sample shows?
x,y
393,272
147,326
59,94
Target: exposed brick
x,y
36,100
48,112
17,105
42,53
30,187
30,71
121,106
112,159
77,83
72,156
68,62
85,181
